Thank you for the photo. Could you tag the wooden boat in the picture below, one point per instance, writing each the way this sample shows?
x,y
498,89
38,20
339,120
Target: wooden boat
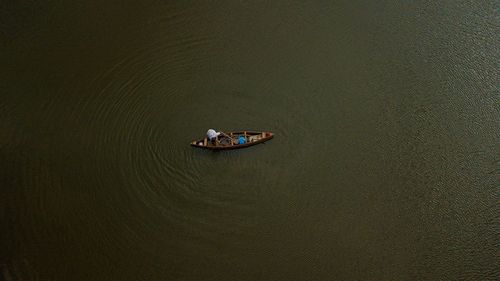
x,y
231,140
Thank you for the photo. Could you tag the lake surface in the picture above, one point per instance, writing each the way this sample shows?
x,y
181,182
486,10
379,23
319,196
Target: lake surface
x,y
384,165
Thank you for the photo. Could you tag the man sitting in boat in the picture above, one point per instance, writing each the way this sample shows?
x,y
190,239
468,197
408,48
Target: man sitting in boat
x,y
212,135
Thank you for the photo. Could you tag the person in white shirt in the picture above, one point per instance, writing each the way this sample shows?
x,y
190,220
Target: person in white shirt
x,y
212,135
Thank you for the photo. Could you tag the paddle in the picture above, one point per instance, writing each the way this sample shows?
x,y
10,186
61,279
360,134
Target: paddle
x,y
227,136
224,134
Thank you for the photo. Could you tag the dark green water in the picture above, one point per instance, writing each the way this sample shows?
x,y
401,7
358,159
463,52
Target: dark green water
x,y
384,166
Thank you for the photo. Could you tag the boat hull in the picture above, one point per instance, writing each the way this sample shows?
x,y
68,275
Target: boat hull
x,y
231,140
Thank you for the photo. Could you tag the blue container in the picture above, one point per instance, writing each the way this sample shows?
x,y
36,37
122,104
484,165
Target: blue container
x,y
242,140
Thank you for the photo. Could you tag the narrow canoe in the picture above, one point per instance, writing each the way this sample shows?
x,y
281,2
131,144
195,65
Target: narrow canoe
x,y
231,141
